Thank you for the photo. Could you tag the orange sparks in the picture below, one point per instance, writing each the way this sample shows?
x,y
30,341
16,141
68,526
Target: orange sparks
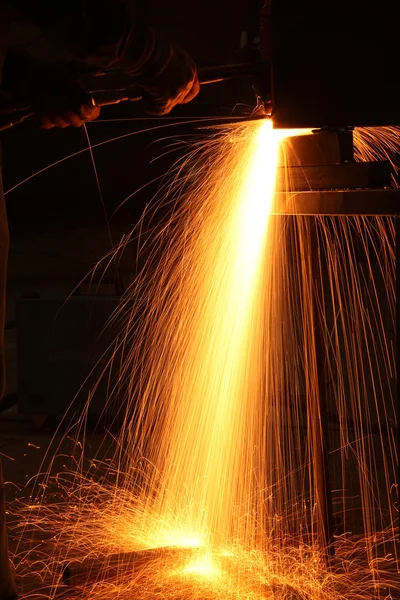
x,y
218,361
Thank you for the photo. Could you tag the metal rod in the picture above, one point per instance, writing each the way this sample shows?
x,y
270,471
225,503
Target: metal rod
x,y
319,421
10,122
338,202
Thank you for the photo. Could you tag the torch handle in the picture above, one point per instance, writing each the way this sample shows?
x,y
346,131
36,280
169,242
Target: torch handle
x,y
207,76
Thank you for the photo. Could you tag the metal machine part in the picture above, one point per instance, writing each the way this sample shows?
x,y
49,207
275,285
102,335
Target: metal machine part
x,y
332,65
320,177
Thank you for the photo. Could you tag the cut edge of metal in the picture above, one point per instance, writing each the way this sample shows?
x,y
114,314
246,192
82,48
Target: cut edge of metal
x,y
380,202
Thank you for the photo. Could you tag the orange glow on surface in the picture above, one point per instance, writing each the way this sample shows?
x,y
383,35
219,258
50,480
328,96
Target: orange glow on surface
x,y
203,566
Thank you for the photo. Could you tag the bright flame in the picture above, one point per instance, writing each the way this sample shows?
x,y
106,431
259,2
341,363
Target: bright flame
x,y
214,385
202,566
181,539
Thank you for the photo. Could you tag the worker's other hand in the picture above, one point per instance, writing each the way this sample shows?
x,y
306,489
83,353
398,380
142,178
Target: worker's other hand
x,y
174,80
68,118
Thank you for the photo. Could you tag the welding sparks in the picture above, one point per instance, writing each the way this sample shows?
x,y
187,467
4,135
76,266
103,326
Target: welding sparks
x,y
203,566
212,490
206,449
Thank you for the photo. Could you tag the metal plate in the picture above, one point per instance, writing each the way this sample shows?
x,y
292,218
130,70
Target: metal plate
x,y
331,203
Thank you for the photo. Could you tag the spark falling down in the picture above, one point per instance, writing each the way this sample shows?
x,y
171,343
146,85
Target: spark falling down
x,y
211,455
206,377
217,362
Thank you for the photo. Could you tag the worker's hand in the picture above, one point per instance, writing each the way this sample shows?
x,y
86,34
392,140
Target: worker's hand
x,y
173,81
68,118
58,103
